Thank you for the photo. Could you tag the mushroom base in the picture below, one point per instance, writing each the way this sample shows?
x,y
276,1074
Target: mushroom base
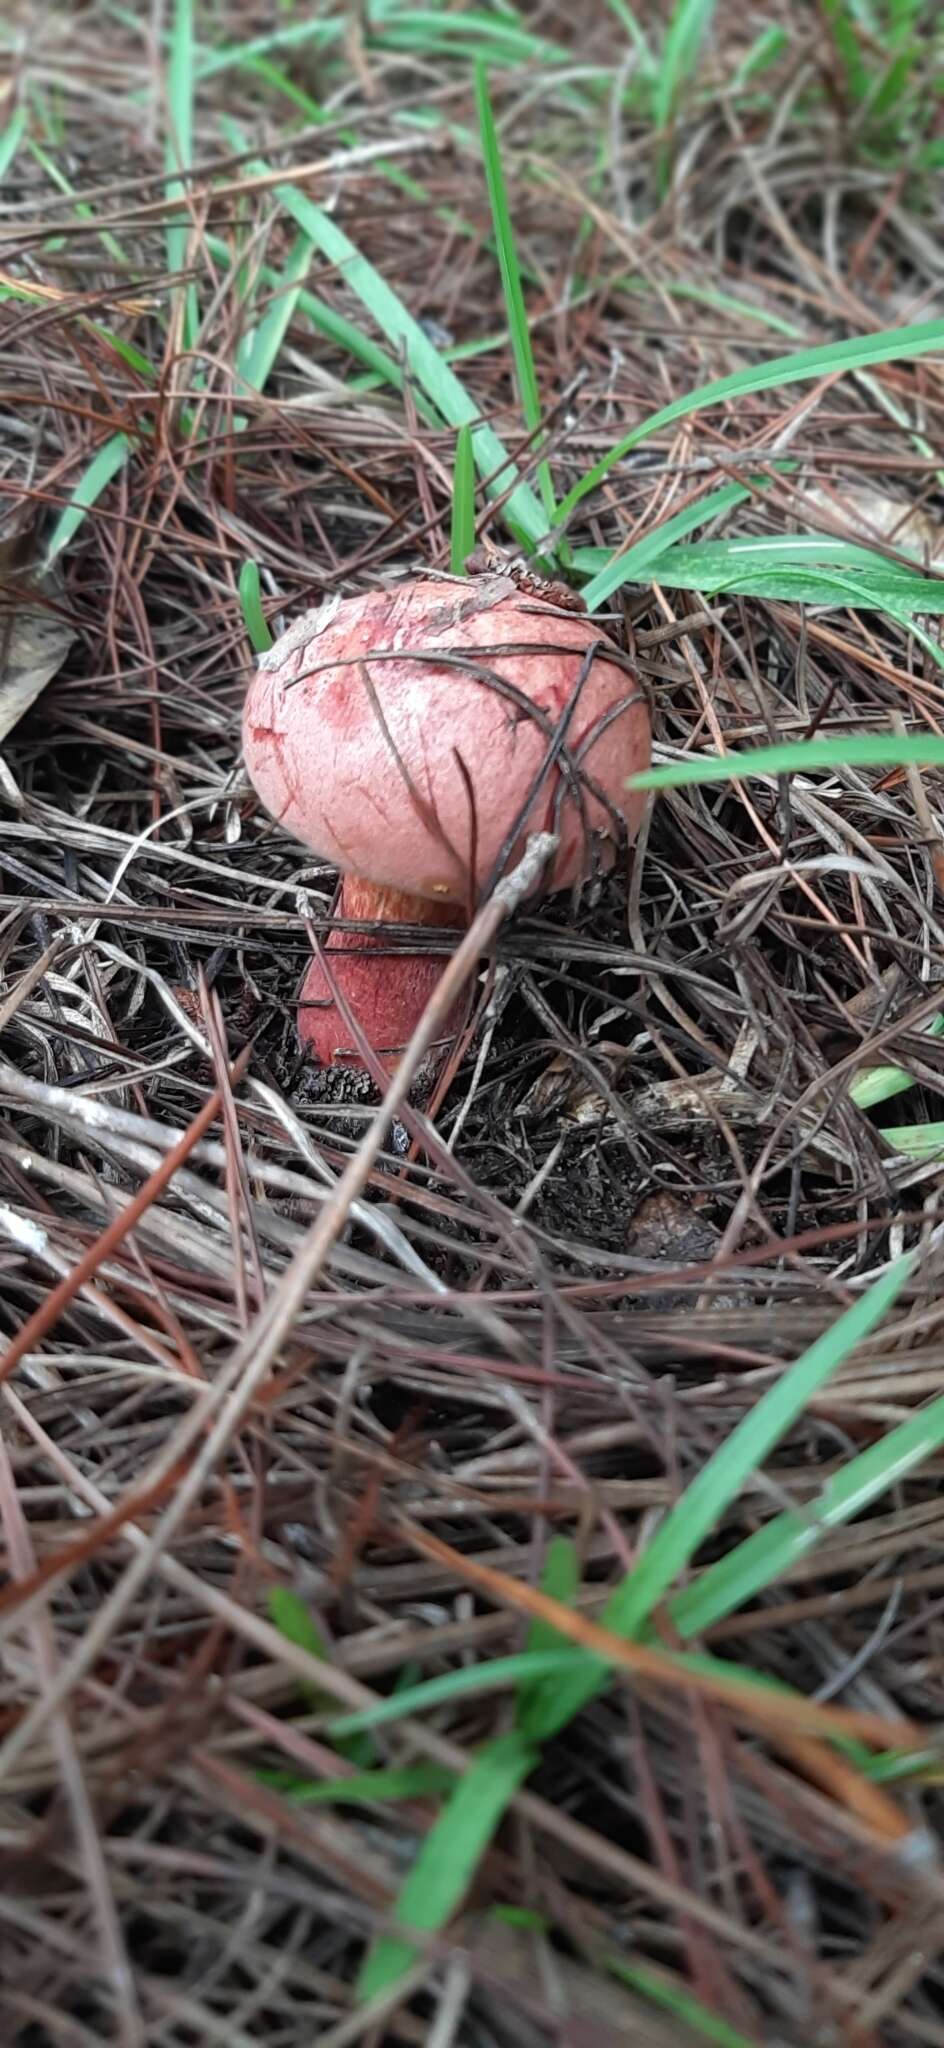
x,y
384,986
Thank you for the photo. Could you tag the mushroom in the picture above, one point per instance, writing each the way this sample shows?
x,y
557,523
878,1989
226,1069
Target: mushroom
x,y
415,737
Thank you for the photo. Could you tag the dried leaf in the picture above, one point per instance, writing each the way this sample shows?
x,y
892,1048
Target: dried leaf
x,y
34,642
872,515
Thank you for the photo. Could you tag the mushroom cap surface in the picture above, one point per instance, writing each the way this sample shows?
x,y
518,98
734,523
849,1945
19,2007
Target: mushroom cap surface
x,y
412,735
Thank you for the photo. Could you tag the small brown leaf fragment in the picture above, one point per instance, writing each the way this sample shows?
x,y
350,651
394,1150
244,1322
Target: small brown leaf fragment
x,y
34,642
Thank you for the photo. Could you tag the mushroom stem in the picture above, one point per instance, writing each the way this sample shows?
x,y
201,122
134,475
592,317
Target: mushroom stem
x,y
363,902
386,990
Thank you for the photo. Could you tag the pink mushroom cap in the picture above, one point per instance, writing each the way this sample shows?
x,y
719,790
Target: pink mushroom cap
x,y
414,771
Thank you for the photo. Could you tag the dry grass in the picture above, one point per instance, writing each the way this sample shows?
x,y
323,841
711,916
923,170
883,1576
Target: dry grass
x,y
541,1305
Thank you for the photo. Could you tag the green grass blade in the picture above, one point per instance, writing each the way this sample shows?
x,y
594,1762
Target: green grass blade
x,y
521,1916
933,648
632,566
790,566
449,1857
527,1668
871,591
900,413
339,330
679,60
498,40
718,1483
462,537
806,757
877,1084
260,638
892,344
293,1620
714,558
178,154
257,355
904,18
423,360
271,75
917,1141
842,29
522,511
787,564
719,302
764,51
102,468
511,280
495,1676
57,177
125,349
624,14
561,1579
710,1493
364,1788
464,1829
892,85
773,1550
12,137
674,1998
287,1609
490,38
363,348
680,52
293,36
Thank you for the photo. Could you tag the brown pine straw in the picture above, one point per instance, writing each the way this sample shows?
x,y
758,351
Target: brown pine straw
x,y
47,1315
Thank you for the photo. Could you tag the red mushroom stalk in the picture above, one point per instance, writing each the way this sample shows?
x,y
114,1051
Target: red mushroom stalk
x,y
384,985
415,737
